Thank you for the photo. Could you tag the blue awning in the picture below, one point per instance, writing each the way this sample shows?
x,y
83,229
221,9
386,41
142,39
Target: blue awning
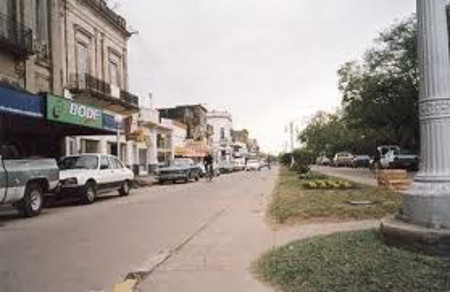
x,y
21,103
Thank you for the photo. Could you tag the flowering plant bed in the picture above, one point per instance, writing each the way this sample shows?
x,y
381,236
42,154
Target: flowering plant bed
x,y
328,185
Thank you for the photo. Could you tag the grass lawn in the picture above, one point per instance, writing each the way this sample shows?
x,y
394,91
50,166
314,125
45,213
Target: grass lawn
x,y
357,261
291,202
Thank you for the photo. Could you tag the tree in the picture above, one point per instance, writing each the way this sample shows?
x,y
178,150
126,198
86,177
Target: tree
x,y
380,94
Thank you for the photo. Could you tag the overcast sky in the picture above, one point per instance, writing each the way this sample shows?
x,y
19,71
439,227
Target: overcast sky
x,y
265,61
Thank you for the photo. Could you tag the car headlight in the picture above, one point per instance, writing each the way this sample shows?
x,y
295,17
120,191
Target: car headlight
x,y
69,182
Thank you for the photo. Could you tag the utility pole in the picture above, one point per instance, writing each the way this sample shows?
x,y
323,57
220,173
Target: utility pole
x,y
292,134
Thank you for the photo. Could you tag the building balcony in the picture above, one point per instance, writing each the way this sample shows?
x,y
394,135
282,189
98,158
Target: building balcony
x,y
15,38
91,90
149,117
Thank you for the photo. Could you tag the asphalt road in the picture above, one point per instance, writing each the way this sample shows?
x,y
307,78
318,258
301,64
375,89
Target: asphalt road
x,y
90,248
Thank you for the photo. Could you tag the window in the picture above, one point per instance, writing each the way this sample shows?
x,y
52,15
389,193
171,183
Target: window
x,y
114,69
117,163
5,9
79,162
104,163
114,74
41,21
83,61
222,133
90,146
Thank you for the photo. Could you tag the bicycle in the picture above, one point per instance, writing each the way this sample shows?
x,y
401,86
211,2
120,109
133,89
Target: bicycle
x,y
209,173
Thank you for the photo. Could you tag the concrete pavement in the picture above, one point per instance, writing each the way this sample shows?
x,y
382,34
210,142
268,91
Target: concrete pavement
x,y
207,233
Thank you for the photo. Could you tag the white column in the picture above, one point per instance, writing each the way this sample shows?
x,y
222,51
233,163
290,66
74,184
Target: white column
x,y
428,202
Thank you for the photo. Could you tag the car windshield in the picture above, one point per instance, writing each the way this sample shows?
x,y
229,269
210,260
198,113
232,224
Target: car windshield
x,y
79,162
181,162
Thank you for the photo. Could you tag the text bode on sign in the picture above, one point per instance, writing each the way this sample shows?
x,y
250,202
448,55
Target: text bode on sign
x,y
67,111
84,111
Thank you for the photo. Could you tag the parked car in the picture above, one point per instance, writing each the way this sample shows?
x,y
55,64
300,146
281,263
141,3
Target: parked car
x,y
361,161
400,159
180,169
342,159
89,175
23,182
253,165
226,167
323,160
238,164
216,169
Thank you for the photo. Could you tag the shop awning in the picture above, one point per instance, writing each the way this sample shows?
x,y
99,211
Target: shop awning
x,y
21,103
18,103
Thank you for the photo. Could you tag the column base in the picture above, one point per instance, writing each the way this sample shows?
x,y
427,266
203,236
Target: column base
x,y
427,204
413,237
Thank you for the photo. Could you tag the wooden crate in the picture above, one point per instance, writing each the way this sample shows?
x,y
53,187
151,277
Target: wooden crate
x,y
393,179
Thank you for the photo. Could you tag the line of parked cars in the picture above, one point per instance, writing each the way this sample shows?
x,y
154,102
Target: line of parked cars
x,y
186,170
388,156
24,182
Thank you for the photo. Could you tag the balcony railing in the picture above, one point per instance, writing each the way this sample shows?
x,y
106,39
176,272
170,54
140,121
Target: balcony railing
x,y
86,83
15,37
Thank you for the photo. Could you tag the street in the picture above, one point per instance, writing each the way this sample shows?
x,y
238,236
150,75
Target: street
x,y
90,248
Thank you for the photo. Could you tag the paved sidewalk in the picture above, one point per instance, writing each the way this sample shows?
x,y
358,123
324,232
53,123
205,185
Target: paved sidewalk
x,y
220,256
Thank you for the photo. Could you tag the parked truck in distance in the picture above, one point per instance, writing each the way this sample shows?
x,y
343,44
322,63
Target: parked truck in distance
x,y
23,182
392,156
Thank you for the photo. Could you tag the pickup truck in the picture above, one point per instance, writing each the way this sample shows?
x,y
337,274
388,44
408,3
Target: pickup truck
x,y
393,157
23,182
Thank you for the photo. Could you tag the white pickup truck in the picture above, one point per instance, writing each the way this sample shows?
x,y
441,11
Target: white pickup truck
x,y
23,182
393,157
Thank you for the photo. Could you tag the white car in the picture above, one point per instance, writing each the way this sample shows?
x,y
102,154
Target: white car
x,y
87,175
253,164
238,164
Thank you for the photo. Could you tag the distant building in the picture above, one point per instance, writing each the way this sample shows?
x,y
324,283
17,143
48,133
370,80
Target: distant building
x,y
193,116
240,136
222,140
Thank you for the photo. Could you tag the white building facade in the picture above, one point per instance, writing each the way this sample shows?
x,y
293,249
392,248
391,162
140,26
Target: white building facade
x,y
222,140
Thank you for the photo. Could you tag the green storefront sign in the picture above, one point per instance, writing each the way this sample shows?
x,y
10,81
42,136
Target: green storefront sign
x,y
66,111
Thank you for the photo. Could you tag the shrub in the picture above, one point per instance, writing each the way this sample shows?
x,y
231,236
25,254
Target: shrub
x,y
303,160
312,176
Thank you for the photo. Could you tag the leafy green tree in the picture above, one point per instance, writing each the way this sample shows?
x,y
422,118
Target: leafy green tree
x,y
380,94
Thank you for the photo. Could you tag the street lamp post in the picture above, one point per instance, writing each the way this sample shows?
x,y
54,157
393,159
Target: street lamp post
x,y
424,219
119,120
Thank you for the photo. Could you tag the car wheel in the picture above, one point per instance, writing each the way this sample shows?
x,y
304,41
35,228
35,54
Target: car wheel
x,y
31,204
125,189
197,177
188,177
89,193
